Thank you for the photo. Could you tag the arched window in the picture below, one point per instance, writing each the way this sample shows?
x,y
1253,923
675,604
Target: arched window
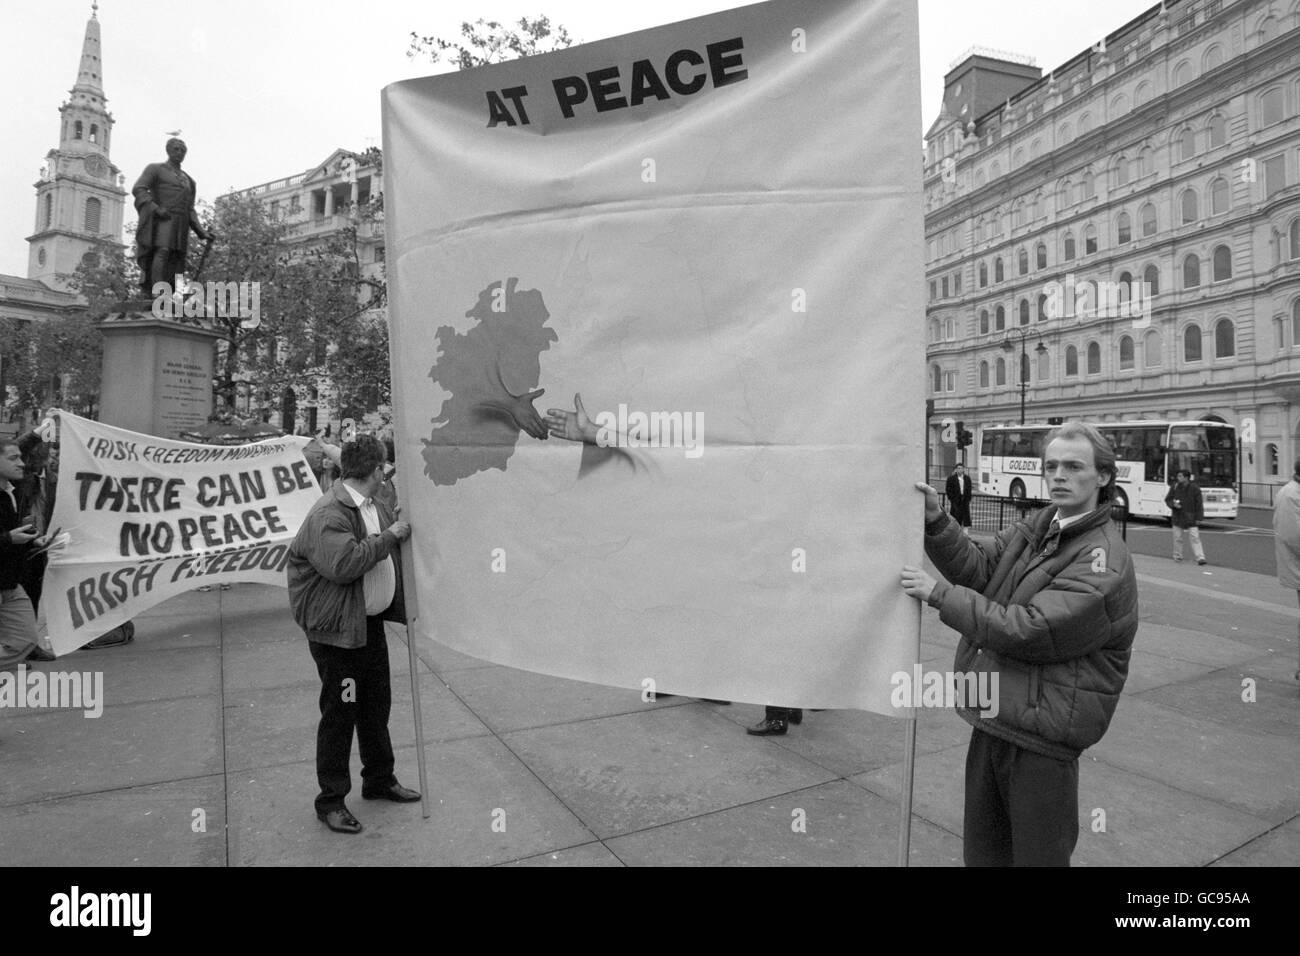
x,y
1071,361
997,269
1270,458
1225,339
995,170
984,321
1222,263
1018,215
1063,195
984,274
1087,188
1151,349
1189,206
94,132
1151,276
1147,161
1147,214
949,331
936,378
1186,144
1063,135
1040,256
984,374
1069,246
76,130
1089,239
1121,171
1119,105
1270,106
93,208
999,319
1024,311
1022,262
1125,287
1001,375
1125,353
1295,322
1191,271
1124,229
1044,366
1042,307
1293,235
1085,123
1024,367
1192,344
1142,95
1094,358
1213,58
1182,74
1218,131
1219,196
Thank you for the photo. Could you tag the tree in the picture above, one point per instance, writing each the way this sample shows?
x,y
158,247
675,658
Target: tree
x,y
487,41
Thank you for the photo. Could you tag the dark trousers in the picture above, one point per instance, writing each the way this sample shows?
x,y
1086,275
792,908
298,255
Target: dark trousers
x,y
364,704
1022,809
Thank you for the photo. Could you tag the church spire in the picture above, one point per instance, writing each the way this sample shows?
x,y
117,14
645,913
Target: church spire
x,y
90,74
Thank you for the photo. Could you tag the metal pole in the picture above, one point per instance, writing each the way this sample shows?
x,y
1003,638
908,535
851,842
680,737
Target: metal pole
x,y
1024,385
905,796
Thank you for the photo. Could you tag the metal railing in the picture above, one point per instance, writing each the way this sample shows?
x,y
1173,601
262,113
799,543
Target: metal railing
x,y
1259,492
993,513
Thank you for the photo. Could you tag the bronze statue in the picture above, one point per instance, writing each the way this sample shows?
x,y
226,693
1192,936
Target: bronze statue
x,y
164,198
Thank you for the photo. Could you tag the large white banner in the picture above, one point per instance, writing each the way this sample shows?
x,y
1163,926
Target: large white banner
x,y
149,518
704,243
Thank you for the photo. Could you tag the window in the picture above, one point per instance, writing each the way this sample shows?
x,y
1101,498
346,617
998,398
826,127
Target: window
x,y
275,209
93,207
1087,188
94,132
1151,276
1147,214
1189,206
295,204
1222,263
984,374
1125,229
49,211
379,253
1121,172
997,269
1147,161
1044,366
1191,271
1094,358
1182,74
1001,375
1069,247
1024,367
1024,311
984,274
1000,319
1186,144
1089,239
1125,354
1192,344
950,381
1042,307
1063,135
1071,361
1151,349
956,283
1040,256
1295,322
1218,196
1218,131
933,290
984,321
1022,262
1085,123
76,130
1225,339
1125,289
1270,458
1142,95
944,287
1270,106
1279,335
949,330
1213,58
936,378
1274,175
1063,195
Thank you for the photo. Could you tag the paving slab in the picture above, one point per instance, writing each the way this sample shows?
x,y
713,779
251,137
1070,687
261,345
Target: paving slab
x,y
252,666
508,699
441,658
938,787
1258,773
589,854
633,771
1196,646
136,826
1146,671
834,824
135,674
60,752
265,728
1217,697
1278,847
474,783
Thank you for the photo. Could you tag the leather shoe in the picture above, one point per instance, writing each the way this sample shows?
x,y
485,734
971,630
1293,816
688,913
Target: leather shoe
x,y
40,654
769,727
796,716
397,793
340,821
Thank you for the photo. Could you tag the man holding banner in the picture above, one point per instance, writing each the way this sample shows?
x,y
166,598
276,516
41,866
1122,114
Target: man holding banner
x,y
342,580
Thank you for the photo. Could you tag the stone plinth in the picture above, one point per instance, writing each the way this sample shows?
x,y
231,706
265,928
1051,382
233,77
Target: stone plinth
x,y
157,375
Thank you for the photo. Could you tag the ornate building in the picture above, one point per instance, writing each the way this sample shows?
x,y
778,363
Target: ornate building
x,y
1158,169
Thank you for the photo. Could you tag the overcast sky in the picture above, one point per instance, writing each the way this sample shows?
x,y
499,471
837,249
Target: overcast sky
x,y
267,88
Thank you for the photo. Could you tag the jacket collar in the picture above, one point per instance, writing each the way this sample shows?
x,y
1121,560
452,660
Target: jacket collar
x,y
342,495
1043,520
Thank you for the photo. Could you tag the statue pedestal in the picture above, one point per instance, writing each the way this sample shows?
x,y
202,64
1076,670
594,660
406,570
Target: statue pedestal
x,y
157,375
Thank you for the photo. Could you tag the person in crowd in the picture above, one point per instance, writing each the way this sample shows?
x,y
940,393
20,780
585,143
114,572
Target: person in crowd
x,y
19,541
342,582
1047,611
958,492
1187,512
1286,535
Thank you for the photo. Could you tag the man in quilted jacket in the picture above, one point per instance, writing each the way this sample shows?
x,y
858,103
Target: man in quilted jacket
x,y
1047,611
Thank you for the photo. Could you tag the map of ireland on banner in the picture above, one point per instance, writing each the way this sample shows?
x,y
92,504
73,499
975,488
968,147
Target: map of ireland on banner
x,y
658,370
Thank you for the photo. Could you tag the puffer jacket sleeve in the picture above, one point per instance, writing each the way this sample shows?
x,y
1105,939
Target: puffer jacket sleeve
x,y
961,559
1073,615
338,556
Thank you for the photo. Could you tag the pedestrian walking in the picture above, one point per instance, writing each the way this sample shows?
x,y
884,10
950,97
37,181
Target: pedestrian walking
x,y
1187,511
958,492
1286,536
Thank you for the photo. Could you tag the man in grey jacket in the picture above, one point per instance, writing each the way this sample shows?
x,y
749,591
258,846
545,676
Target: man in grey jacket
x,y
342,580
1047,612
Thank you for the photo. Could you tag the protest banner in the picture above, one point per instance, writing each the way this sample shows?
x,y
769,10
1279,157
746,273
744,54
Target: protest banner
x,y
148,518
704,243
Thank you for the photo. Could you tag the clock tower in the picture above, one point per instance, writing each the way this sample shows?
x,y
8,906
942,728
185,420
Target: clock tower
x,y
80,195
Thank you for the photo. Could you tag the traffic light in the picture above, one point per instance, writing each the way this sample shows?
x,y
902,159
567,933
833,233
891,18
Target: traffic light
x,y
964,438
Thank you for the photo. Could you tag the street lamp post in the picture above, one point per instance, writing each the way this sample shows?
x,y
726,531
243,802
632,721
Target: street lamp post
x,y
1009,346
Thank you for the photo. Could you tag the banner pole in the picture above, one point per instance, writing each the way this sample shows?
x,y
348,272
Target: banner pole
x,y
408,593
905,790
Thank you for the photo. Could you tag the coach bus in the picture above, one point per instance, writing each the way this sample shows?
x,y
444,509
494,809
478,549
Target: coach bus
x,y
1148,454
